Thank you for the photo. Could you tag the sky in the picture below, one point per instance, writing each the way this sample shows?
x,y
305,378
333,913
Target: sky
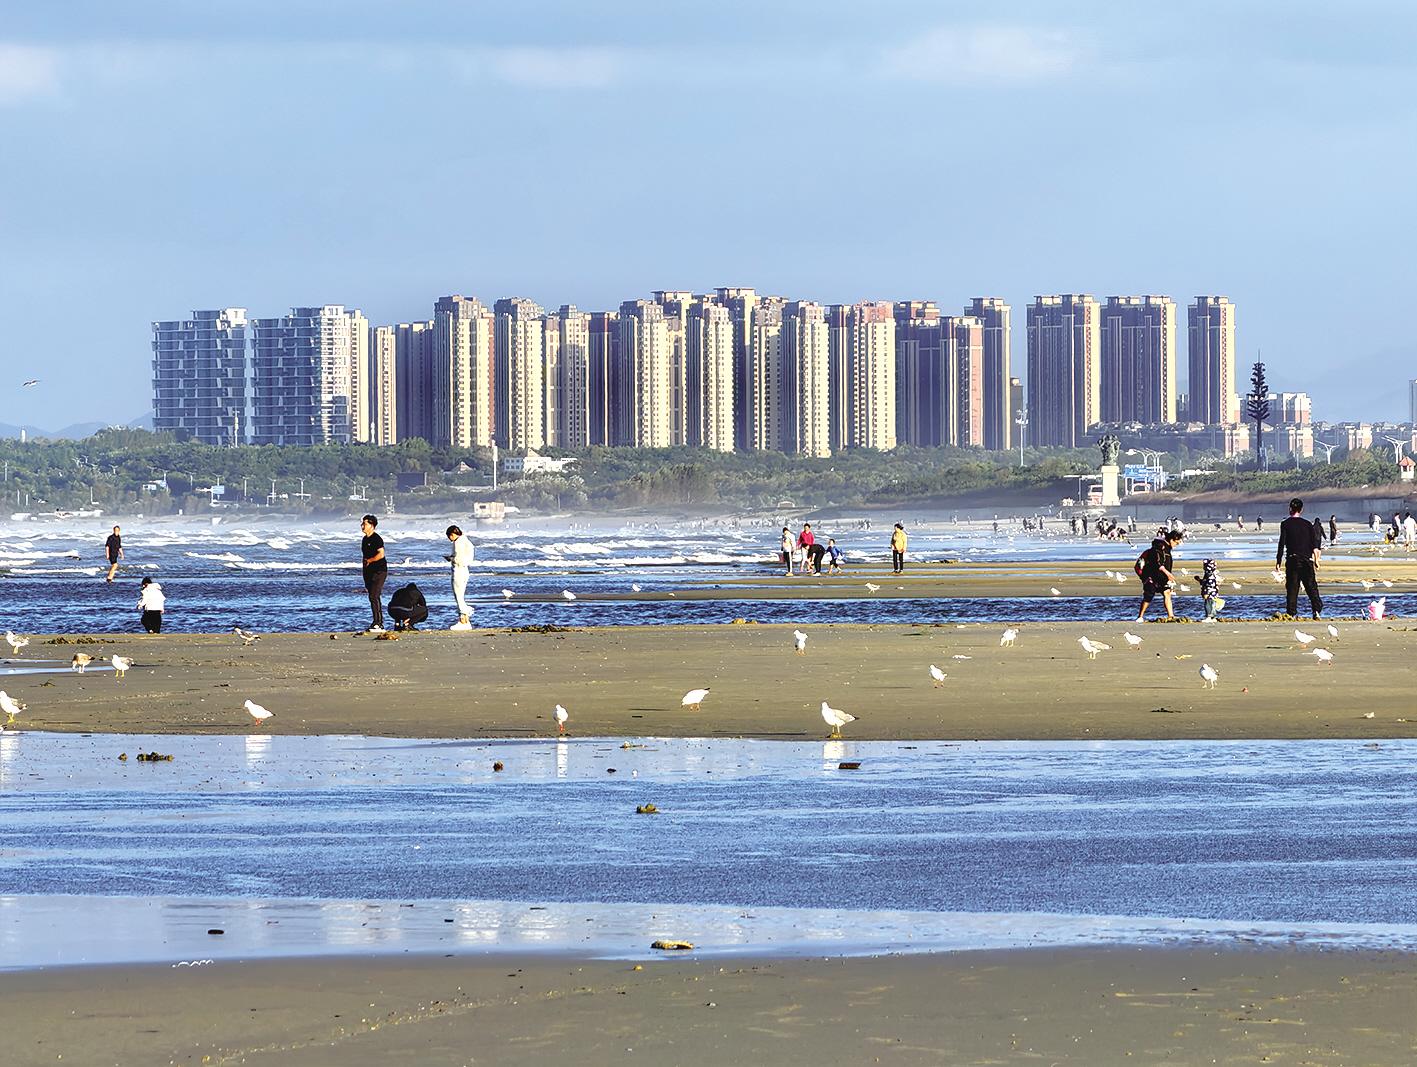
x,y
162,155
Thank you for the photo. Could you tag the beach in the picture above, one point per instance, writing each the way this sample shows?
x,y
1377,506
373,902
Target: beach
x,y
1077,1006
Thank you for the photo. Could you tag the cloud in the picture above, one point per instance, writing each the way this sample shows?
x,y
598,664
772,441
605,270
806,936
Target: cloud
x,y
27,71
556,68
974,55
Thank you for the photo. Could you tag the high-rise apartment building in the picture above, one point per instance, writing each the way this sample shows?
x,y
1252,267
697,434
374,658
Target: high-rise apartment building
x,y
519,358
676,304
1138,360
306,368
383,366
569,408
740,304
463,386
1412,401
765,375
870,369
708,376
644,389
1064,368
804,420
199,376
963,340
1290,409
1211,389
603,379
924,383
413,369
838,376
998,413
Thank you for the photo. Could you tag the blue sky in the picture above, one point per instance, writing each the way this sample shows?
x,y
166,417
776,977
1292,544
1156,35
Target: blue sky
x,y
166,155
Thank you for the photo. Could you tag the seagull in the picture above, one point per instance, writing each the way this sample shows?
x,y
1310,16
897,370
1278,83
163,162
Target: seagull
x,y
120,665
1185,588
1333,631
568,594
1186,571
634,588
1277,575
873,587
1304,639
31,383
1109,575
1054,591
247,637
1208,676
10,706
507,594
1234,585
1322,655
15,642
958,656
561,716
1367,585
1132,639
835,719
800,639
1121,579
1369,715
938,675
693,698
1093,647
1387,583
258,713
80,661
1008,637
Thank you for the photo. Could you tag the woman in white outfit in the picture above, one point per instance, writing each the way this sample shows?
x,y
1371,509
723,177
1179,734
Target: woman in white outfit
x,y
461,559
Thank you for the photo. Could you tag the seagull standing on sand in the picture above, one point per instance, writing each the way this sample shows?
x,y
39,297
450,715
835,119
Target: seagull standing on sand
x,y
247,637
835,718
15,642
561,716
507,594
1322,655
1132,639
1093,647
120,666
257,712
873,587
634,588
10,706
1008,637
1333,631
1304,639
693,698
938,675
1054,592
568,595
800,640
1208,676
80,662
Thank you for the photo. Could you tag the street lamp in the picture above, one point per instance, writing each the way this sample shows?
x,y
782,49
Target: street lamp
x,y
1021,421
1328,451
1153,462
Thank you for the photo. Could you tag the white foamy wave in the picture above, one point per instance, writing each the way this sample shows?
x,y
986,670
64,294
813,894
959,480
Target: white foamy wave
x,y
272,565
280,544
219,557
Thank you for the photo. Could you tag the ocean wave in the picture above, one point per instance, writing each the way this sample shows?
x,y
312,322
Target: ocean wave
x,y
219,557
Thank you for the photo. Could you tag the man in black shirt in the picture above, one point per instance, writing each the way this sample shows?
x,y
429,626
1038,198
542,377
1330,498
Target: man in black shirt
x,y
376,570
1299,552
408,607
113,549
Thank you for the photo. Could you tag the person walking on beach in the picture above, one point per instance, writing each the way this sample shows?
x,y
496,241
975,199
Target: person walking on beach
x,y
785,552
461,559
898,545
1210,589
1153,567
1332,529
1299,553
113,550
835,553
1409,531
152,604
376,571
805,540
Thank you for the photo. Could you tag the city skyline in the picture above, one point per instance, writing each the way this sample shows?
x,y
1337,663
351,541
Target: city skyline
x,y
180,183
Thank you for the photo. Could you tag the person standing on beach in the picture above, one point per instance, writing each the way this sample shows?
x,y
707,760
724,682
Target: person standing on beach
x,y
152,603
1210,589
461,559
1332,529
1299,553
835,552
113,549
898,545
1153,567
785,552
805,540
376,571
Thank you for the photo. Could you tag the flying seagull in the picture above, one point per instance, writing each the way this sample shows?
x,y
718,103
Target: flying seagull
x,y
1208,676
247,637
257,712
120,665
10,706
31,383
693,698
1093,647
80,662
15,642
800,640
561,716
938,675
1008,637
835,719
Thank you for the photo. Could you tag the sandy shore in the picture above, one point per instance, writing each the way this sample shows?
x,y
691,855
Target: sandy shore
x,y
1153,1006
629,680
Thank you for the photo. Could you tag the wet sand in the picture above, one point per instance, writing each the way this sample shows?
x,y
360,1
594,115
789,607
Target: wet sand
x,y
1153,1006
628,681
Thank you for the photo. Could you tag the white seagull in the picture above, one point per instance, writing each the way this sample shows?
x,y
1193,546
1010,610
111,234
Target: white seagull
x,y
31,383
507,594
247,637
634,588
1333,631
1234,585
1367,585
938,675
568,594
1304,639
1121,579
561,716
10,706
15,642
800,640
80,662
1008,637
1093,647
1054,591
1322,655
1132,639
258,713
693,698
835,719
873,587
1208,676
1387,583
120,665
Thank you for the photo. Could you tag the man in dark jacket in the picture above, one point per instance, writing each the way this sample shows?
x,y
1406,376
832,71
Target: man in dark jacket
x,y
1299,552
408,608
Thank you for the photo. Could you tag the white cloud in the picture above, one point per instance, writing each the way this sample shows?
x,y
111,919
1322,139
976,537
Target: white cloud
x,y
27,71
556,68
966,55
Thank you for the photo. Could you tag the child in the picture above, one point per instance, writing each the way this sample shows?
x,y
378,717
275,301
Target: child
x,y
1210,589
151,603
835,553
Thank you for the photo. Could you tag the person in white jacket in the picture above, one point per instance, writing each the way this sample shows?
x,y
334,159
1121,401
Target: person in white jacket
x,y
152,603
461,559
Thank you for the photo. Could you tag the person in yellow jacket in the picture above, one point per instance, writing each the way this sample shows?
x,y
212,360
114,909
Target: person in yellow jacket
x,y
898,549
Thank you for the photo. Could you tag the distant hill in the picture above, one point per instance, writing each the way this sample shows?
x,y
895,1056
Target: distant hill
x,y
75,432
